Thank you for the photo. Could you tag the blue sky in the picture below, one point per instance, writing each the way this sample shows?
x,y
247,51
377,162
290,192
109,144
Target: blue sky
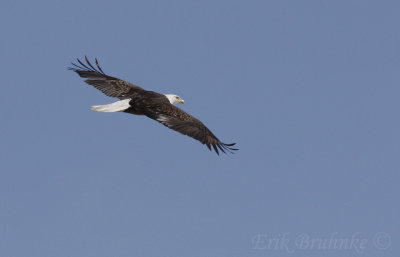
x,y
308,89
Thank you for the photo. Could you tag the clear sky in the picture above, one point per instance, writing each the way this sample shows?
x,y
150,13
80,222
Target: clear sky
x,y
308,89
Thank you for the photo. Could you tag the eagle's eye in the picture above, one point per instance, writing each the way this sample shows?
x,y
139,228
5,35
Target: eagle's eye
x,y
176,97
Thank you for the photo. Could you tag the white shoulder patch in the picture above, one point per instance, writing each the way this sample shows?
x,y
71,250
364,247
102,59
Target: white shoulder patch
x,y
164,120
118,106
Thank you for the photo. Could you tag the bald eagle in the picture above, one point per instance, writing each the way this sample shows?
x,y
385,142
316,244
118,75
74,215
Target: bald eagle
x,y
138,101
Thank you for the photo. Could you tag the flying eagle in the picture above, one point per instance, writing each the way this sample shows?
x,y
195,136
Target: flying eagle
x,y
138,101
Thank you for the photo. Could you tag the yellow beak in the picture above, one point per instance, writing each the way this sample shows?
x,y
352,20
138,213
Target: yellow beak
x,y
181,101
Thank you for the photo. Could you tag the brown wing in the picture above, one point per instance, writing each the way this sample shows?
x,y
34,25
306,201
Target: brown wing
x,y
178,120
110,86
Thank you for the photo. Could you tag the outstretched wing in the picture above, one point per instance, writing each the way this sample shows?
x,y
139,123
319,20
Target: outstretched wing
x,y
110,86
178,120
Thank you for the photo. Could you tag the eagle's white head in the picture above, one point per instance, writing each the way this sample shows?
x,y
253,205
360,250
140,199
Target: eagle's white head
x,y
174,99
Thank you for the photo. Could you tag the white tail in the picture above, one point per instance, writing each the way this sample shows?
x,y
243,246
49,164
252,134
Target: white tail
x,y
118,106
